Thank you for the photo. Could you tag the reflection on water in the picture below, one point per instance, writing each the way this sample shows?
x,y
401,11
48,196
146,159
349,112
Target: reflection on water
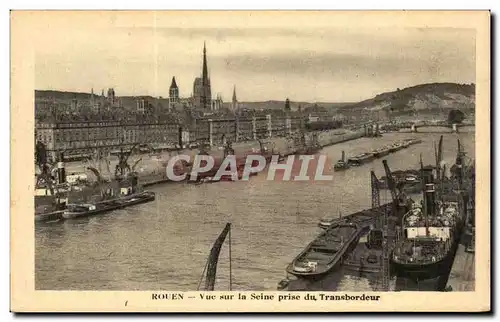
x,y
164,244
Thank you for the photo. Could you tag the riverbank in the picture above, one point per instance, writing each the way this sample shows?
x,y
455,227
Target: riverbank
x,y
151,168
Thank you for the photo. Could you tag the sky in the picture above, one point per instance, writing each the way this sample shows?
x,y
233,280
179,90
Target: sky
x,y
265,61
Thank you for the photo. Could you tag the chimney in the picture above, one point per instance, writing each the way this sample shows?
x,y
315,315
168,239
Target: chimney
x,y
61,171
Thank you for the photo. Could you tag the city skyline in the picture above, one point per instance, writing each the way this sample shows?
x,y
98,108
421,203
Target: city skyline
x,y
303,63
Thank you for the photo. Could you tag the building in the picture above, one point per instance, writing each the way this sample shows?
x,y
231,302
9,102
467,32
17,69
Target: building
x,y
80,138
202,92
234,102
222,130
244,126
111,97
173,95
217,103
141,105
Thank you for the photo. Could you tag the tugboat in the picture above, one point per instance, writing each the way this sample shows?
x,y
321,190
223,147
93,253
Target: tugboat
x,y
51,188
431,233
341,164
123,191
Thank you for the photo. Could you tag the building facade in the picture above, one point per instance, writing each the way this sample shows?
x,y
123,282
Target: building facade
x,y
82,139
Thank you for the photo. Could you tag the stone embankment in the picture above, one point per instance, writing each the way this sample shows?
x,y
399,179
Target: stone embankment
x,y
151,168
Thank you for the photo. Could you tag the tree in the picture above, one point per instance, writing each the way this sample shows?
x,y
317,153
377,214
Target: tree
x,y
455,116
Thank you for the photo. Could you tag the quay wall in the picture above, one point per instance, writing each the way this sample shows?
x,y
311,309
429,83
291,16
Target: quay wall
x,y
151,168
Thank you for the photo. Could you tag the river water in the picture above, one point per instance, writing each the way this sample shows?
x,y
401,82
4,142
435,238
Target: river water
x,y
163,245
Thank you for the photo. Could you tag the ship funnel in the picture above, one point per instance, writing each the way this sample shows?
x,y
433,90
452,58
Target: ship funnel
x,y
430,197
61,171
343,156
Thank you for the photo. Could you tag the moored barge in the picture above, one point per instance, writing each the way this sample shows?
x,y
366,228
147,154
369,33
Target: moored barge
x,y
89,209
326,251
361,159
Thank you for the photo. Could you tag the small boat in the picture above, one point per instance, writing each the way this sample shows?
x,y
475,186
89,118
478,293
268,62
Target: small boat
x,y
86,209
283,284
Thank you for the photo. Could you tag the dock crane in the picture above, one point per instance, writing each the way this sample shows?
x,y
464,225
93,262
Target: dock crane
x,y
385,245
399,201
375,188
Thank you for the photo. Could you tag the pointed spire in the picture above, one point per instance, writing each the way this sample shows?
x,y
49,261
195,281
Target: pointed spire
x,y
204,76
174,84
234,94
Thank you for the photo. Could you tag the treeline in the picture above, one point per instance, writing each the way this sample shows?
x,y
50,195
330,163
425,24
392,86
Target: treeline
x,y
323,125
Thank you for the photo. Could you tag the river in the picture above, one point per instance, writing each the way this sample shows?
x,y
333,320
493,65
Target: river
x,y
164,245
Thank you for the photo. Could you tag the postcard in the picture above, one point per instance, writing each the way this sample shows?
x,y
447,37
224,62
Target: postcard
x,y
250,161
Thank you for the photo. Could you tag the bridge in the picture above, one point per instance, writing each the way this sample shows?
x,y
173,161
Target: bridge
x,y
415,125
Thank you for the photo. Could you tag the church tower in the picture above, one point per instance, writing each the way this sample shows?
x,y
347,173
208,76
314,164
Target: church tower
x,y
234,103
173,94
202,90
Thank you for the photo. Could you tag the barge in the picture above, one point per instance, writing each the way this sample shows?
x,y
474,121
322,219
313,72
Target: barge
x,y
361,159
330,248
326,251
85,210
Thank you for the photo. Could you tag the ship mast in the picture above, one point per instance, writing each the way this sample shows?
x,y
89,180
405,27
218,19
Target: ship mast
x,y
425,181
213,258
375,190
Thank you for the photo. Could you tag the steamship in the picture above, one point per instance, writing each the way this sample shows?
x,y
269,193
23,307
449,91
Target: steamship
x,y
431,231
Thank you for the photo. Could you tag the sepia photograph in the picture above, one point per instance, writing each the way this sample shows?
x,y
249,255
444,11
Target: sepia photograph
x,y
277,157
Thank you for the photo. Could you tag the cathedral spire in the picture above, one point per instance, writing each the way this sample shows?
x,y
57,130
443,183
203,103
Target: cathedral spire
x,y
204,75
234,94
174,83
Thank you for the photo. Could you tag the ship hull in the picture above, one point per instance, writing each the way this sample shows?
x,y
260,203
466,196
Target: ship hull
x,y
429,269
351,243
49,216
101,209
420,271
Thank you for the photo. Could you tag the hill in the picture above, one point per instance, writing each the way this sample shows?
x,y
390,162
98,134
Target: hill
x,y
425,99
436,98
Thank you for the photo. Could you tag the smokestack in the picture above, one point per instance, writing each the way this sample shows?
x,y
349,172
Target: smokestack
x,y
343,156
430,198
61,171
180,137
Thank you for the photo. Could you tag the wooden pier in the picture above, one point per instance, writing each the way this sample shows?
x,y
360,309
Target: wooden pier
x,y
462,274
